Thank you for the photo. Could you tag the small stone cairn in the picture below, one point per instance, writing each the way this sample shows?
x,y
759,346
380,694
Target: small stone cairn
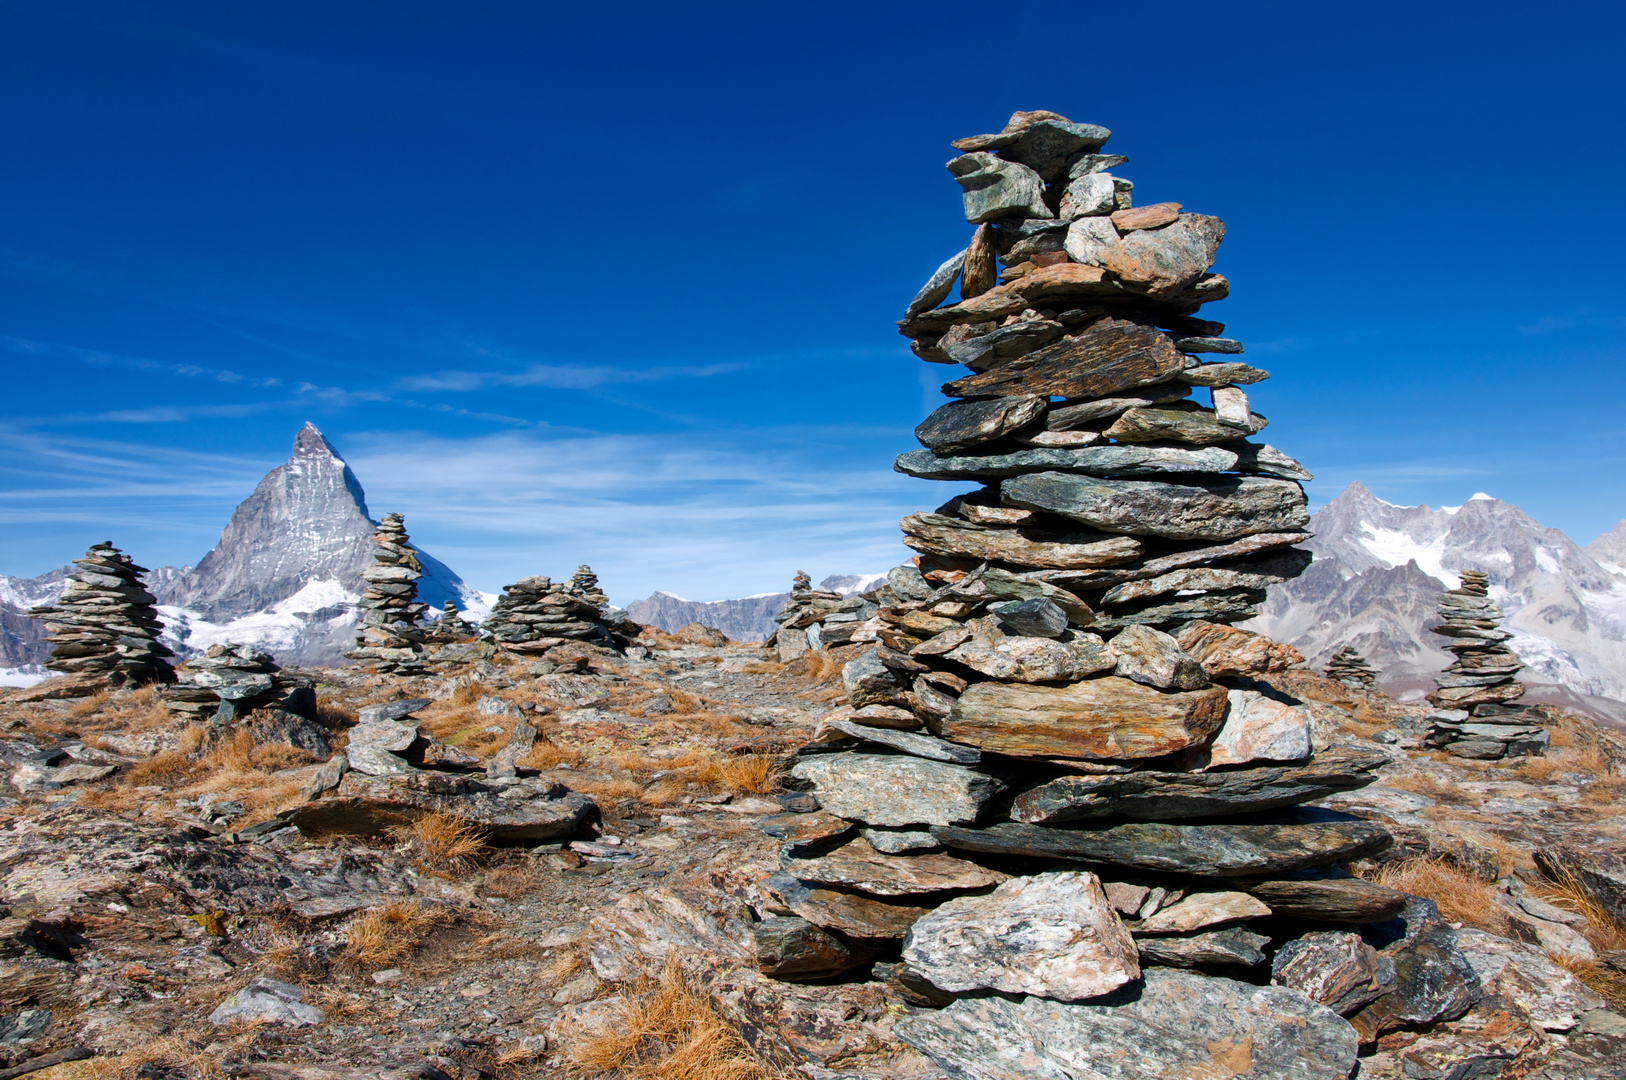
x,y
104,628
1035,789
229,681
820,619
534,615
1350,668
450,628
390,639
584,583
1475,695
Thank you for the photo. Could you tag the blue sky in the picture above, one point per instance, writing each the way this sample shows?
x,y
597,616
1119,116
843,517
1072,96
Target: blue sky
x,y
616,284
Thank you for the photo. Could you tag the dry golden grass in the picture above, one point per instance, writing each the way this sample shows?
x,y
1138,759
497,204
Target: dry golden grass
x,y
742,773
332,715
666,1029
547,754
442,842
1461,897
763,667
169,1052
381,937
1604,931
613,788
820,666
89,706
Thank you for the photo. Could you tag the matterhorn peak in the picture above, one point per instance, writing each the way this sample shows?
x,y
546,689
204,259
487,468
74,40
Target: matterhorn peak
x,y
310,442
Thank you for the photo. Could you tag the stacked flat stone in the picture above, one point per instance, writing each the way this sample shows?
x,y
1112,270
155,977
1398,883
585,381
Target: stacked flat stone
x,y
1350,668
584,583
390,639
534,615
449,628
820,619
1475,695
104,625
1132,797
229,681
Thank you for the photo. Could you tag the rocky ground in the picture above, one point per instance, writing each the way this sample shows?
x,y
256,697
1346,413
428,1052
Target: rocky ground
x,y
169,911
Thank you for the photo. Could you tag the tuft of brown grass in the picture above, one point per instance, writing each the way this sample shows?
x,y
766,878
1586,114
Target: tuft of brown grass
x,y
762,667
380,937
332,715
743,773
613,788
170,1052
1604,931
1460,896
821,667
1607,983
547,754
85,707
665,1029
169,769
443,842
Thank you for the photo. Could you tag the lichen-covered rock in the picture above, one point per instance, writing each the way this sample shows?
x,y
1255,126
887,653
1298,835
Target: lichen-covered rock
x,y
1054,935
1174,1025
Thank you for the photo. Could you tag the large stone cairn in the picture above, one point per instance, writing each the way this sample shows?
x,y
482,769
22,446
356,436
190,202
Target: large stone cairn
x,y
1350,668
820,619
1026,725
1475,695
104,626
534,615
390,639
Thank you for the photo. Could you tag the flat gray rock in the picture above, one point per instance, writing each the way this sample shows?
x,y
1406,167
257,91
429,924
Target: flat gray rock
x,y
1093,460
1164,796
1088,236
858,865
1210,850
391,710
960,425
985,350
1224,508
909,742
939,534
1192,425
937,287
1174,1025
1202,911
1199,344
896,790
1107,356
1235,946
1051,934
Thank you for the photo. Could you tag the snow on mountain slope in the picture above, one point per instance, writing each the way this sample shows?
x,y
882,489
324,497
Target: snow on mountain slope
x,y
286,573
1380,570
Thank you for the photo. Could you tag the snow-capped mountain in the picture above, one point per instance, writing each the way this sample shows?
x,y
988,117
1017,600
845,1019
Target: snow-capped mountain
x,y
749,618
286,573
1380,569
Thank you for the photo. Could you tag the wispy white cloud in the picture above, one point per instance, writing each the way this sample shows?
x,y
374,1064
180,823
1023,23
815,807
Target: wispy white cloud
x,y
560,376
50,350
1572,320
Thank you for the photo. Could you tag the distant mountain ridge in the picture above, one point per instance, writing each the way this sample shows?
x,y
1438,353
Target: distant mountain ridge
x,y
749,618
1380,570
